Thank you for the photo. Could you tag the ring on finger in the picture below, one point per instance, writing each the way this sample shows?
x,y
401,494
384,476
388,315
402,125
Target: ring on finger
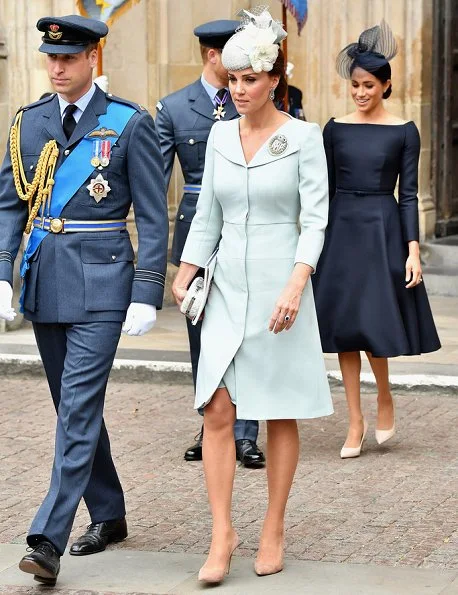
x,y
287,318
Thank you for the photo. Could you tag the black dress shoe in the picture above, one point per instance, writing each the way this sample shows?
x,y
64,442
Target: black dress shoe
x,y
98,536
194,452
43,563
247,452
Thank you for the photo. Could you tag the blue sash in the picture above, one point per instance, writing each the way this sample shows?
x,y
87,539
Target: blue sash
x,y
70,176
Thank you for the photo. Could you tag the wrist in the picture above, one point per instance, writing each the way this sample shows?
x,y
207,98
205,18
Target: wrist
x,y
414,249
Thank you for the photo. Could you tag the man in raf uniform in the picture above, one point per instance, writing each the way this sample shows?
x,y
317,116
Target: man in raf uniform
x,y
184,120
75,163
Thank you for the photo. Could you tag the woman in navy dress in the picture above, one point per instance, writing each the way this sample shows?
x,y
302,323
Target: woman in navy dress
x,y
368,286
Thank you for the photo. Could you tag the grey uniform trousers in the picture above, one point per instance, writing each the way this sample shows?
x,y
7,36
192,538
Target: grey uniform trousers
x,y
77,359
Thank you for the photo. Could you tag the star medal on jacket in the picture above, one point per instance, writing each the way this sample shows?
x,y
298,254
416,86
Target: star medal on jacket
x,y
277,145
220,99
98,188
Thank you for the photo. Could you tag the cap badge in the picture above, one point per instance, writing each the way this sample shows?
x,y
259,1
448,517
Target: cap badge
x,y
278,144
54,32
98,188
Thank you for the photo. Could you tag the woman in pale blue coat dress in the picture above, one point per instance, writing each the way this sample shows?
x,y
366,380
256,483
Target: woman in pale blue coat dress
x,y
265,194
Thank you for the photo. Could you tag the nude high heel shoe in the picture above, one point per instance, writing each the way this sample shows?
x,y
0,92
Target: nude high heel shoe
x,y
383,435
348,452
263,569
214,576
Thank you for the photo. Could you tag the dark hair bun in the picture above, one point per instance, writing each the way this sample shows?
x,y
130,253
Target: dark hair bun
x,y
388,92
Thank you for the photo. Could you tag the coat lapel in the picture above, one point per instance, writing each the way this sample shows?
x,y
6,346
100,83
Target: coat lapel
x,y
89,120
53,123
263,156
227,142
230,146
201,102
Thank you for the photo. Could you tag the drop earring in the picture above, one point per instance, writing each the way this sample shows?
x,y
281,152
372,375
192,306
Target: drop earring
x,y
272,94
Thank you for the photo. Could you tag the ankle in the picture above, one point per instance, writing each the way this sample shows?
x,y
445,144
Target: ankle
x,y
356,420
222,534
384,399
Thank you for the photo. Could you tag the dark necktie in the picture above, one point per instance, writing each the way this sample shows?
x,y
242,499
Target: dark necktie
x,y
69,122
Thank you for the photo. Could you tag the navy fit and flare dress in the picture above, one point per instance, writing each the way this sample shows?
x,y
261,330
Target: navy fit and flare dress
x,y
360,290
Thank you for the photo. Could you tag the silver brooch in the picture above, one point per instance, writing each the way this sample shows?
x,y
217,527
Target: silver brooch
x,y
278,144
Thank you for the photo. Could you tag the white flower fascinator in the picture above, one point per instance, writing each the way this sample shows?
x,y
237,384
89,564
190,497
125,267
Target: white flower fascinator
x,y
256,43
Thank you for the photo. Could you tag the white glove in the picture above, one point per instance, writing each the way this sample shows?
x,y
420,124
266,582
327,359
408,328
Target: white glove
x,y
7,312
102,82
140,319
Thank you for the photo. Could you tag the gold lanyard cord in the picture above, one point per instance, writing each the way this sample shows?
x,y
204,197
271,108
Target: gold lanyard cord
x,y
42,184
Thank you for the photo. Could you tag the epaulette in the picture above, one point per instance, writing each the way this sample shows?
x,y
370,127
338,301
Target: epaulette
x,y
136,106
46,99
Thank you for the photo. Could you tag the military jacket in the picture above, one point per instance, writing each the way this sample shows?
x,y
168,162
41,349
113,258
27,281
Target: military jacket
x,y
85,277
184,120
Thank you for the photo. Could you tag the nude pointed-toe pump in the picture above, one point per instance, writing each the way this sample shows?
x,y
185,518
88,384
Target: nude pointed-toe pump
x,y
214,576
383,435
348,452
264,569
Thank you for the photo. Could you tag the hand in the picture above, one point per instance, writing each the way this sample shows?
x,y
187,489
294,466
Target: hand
x,y
286,309
179,293
7,312
140,319
413,271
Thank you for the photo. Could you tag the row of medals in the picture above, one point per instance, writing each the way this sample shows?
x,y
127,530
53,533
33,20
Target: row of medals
x,y
101,154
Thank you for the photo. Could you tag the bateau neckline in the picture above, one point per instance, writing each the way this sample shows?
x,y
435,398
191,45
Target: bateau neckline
x,y
371,123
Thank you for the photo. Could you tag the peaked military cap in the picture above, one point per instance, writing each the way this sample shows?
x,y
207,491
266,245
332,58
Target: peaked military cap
x,y
69,35
215,34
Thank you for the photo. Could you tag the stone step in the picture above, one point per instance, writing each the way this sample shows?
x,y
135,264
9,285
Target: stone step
x,y
441,280
442,252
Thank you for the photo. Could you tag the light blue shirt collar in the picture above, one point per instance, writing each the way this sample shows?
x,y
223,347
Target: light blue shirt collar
x,y
81,104
211,90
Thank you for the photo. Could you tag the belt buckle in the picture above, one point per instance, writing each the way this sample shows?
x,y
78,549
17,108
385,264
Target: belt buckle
x,y
56,225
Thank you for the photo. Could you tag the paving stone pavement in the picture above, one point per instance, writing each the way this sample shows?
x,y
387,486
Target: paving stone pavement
x,y
395,505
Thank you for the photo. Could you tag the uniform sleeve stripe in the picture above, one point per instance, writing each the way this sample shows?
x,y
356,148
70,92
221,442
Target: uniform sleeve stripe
x,y
146,271
149,281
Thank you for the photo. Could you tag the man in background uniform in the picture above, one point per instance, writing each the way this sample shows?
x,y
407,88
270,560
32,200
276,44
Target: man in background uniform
x,y
75,163
184,120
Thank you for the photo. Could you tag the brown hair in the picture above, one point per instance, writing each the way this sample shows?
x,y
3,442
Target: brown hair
x,y
204,49
92,46
279,69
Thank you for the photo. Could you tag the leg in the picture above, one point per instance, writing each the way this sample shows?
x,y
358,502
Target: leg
x,y
90,352
385,409
103,496
219,468
282,458
350,366
194,452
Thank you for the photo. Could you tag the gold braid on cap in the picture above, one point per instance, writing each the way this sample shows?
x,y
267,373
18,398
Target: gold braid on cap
x,y
38,191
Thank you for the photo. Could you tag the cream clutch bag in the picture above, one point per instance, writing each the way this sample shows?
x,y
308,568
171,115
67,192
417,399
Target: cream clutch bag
x,y
196,297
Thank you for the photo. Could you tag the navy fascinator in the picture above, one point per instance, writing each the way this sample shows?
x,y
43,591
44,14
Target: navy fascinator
x,y
375,48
